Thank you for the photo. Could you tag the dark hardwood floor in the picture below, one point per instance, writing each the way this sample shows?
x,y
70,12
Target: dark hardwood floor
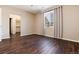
x,y
37,44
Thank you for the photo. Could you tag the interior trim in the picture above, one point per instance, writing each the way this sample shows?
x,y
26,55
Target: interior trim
x,y
63,39
48,36
70,40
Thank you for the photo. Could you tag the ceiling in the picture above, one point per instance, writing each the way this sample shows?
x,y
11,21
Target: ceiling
x,y
32,8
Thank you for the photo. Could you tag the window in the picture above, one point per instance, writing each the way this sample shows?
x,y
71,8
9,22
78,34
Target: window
x,y
49,18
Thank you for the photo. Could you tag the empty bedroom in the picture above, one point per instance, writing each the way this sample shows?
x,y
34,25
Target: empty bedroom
x,y
39,29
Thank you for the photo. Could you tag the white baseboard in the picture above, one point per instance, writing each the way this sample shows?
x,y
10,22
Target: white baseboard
x,y
66,39
48,36
4,38
0,40
70,40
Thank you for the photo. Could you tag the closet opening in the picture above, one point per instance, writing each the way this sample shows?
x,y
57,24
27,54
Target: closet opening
x,y
14,25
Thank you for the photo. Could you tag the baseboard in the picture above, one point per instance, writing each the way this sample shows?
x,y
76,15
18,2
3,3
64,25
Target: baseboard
x,y
0,40
46,36
70,40
5,38
29,34
63,38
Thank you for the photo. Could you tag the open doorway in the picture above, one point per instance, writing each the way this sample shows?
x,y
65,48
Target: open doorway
x,y
49,23
14,25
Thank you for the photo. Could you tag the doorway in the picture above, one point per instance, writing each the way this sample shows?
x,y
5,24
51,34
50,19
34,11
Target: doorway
x,y
14,25
53,23
10,26
49,24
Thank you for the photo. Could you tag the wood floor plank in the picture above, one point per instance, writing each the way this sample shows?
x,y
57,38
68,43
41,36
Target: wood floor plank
x,y
37,44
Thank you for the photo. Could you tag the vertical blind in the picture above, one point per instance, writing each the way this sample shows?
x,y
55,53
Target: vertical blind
x,y
58,22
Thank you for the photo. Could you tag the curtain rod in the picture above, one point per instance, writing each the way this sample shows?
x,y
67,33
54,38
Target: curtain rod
x,y
50,9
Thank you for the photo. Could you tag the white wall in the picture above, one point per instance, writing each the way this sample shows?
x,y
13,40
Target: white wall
x,y
39,24
26,21
71,22
0,24
31,24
